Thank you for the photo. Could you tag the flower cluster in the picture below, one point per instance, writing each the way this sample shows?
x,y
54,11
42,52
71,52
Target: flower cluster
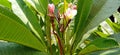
x,y
68,14
63,21
70,11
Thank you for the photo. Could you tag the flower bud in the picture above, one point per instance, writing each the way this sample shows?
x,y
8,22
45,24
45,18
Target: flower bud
x,y
51,9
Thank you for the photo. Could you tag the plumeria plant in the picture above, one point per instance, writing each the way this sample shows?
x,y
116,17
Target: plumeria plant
x,y
55,27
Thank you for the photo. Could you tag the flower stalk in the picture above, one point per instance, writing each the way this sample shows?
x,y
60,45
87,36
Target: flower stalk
x,y
66,17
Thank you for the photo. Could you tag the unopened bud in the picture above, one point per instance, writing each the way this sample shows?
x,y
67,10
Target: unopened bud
x,y
51,9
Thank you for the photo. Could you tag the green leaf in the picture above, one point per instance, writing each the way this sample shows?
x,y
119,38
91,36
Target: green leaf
x,y
116,37
11,30
101,10
83,10
56,2
99,44
115,26
93,36
8,48
114,51
39,5
101,34
65,5
54,48
81,18
5,3
33,19
61,8
44,5
69,1
7,12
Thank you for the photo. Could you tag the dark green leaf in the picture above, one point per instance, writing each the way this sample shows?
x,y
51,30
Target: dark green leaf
x,y
7,48
81,18
99,44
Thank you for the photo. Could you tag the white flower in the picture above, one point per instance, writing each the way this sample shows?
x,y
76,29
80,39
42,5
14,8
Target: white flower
x,y
70,13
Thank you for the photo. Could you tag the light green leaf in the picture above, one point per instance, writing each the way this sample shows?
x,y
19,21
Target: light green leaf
x,y
101,34
5,11
8,48
114,51
115,27
99,44
39,5
44,5
11,30
65,5
69,1
101,10
5,3
33,19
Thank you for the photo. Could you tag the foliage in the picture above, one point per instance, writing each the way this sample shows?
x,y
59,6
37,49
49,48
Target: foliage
x,y
58,27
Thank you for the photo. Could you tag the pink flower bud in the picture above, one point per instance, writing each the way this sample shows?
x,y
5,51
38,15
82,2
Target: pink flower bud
x,y
51,9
